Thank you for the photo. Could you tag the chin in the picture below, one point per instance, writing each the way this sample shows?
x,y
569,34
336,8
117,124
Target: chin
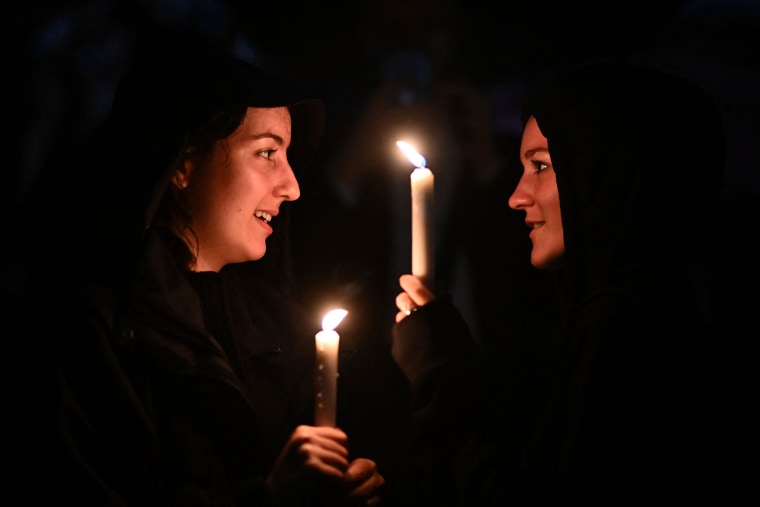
x,y
547,262
257,255
249,255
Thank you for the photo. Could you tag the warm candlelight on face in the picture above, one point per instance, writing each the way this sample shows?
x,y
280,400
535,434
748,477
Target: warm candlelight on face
x,y
327,342
422,183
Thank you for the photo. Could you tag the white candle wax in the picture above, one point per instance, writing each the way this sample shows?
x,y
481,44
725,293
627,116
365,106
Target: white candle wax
x,y
423,251
422,225
327,342
327,377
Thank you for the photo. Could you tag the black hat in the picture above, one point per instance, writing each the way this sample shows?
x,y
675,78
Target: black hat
x,y
173,90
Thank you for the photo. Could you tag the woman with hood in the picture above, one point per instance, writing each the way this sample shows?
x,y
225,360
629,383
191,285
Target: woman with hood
x,y
187,373
622,170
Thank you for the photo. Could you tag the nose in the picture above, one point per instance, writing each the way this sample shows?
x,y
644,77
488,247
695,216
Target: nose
x,y
522,196
288,188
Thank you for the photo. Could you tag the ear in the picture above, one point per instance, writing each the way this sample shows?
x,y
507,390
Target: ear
x,y
181,175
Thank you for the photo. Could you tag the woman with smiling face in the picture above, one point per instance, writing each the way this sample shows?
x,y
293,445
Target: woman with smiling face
x,y
188,377
537,195
233,193
622,169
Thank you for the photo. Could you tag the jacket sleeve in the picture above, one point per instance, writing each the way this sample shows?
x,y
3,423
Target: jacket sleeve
x,y
460,454
128,436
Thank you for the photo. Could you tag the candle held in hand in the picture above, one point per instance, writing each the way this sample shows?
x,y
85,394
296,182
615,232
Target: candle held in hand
x,y
327,342
423,245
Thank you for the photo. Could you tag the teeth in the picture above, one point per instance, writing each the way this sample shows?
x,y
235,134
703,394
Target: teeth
x,y
536,225
263,215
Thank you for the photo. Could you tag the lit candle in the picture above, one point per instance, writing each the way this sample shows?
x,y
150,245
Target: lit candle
x,y
327,342
421,179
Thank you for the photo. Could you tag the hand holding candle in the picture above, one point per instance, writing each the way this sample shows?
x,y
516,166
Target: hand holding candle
x,y
327,342
423,244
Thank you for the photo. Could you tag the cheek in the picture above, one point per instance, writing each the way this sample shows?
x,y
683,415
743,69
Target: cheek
x,y
548,199
235,188
554,233
222,201
547,196
554,214
552,207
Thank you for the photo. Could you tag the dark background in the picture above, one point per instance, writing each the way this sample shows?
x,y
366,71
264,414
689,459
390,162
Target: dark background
x,y
63,58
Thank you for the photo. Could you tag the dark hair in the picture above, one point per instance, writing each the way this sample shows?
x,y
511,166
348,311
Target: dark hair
x,y
172,214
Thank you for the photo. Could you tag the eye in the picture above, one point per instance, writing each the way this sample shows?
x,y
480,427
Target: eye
x,y
266,153
539,166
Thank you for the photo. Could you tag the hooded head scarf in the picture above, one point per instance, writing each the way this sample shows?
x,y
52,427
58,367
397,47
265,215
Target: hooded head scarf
x,y
639,157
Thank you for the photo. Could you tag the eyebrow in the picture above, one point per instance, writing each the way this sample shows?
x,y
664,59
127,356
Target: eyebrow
x,y
529,153
264,135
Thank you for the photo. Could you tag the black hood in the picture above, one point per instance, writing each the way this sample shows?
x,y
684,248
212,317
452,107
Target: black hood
x,y
639,158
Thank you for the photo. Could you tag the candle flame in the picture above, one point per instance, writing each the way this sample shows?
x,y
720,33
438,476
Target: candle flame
x,y
412,154
333,318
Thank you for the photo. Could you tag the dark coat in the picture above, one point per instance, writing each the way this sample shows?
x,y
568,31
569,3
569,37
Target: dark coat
x,y
160,407
644,403
166,387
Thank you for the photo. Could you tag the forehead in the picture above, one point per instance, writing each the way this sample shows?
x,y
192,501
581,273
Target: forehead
x,y
266,121
532,138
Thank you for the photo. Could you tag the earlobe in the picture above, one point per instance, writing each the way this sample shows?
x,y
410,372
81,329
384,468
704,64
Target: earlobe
x,y
181,175
179,180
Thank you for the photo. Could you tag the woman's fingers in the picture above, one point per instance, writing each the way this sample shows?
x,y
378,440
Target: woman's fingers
x,y
415,295
364,482
405,304
312,449
418,293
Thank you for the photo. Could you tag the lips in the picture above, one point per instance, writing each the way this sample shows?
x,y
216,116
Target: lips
x,y
533,226
263,216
